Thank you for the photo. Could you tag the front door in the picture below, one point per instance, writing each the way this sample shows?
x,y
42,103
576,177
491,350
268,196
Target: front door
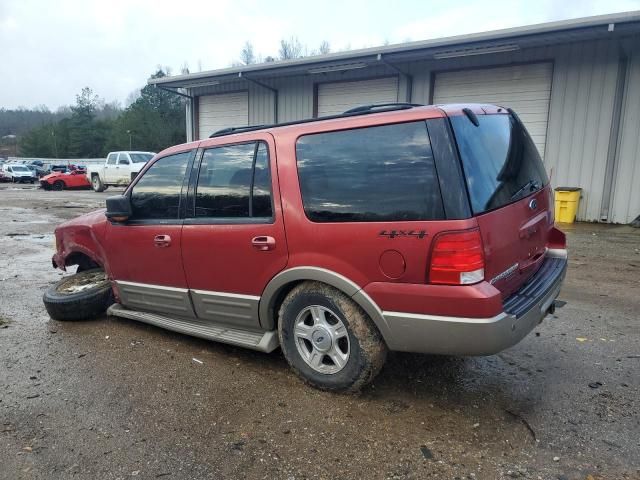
x,y
145,259
233,239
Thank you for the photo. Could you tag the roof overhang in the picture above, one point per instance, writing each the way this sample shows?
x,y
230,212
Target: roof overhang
x,y
497,41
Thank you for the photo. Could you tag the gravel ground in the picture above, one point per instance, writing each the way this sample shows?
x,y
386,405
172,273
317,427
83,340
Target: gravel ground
x,y
111,398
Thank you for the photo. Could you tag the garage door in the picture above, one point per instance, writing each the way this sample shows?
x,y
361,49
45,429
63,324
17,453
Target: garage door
x,y
525,88
335,98
216,112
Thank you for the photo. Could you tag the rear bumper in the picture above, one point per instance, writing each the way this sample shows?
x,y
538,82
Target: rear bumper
x,y
481,336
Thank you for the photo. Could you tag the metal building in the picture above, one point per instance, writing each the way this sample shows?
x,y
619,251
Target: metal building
x,y
575,84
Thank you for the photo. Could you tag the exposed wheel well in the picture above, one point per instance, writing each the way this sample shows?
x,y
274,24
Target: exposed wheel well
x,y
279,298
84,262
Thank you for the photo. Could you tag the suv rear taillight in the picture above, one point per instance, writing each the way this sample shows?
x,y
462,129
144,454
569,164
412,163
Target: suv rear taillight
x,y
457,258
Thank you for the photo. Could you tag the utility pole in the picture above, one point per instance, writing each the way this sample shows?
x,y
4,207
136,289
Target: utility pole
x,y
55,143
130,135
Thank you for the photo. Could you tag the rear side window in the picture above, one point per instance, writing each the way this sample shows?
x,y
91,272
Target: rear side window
x,y
383,173
500,161
234,182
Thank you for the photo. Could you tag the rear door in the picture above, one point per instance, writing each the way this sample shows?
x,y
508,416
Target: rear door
x,y
233,240
509,194
110,168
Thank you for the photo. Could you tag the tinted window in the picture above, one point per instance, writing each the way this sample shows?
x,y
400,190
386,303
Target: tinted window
x,y
111,159
123,159
262,184
226,179
157,193
500,161
140,157
371,174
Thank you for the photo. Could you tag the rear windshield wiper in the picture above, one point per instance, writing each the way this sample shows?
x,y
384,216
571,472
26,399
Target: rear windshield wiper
x,y
531,186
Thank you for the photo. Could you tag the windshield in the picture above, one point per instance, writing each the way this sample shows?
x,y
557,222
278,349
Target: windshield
x,y
141,157
20,168
500,161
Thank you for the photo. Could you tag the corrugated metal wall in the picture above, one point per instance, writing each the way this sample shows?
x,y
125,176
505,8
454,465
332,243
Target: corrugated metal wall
x,y
585,77
581,107
626,192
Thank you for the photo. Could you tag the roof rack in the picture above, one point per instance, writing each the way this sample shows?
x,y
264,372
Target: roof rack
x,y
361,110
377,107
230,130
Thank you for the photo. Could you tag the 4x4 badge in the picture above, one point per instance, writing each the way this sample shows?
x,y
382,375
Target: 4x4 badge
x,y
403,233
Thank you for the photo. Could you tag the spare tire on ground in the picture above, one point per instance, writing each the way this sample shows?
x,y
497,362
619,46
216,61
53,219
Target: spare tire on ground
x,y
82,296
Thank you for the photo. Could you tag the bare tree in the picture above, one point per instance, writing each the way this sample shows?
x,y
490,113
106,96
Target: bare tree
x,y
290,49
324,48
184,70
247,55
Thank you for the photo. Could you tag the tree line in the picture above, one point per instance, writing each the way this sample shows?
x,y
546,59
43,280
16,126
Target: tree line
x,y
90,129
154,120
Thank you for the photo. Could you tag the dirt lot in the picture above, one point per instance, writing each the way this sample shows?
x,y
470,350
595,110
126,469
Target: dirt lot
x,y
115,399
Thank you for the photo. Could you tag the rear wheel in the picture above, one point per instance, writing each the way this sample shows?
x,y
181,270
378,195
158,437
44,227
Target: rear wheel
x,y
58,185
97,184
81,296
328,340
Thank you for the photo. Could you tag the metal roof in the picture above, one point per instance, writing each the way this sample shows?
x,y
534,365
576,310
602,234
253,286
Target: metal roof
x,y
447,47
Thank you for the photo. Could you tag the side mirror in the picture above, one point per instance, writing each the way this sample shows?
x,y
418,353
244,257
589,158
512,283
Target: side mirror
x,y
118,208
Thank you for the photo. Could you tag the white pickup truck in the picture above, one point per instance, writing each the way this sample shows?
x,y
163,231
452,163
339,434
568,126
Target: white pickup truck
x,y
119,169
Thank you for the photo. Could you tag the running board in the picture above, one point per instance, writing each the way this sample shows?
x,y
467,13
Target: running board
x,y
261,341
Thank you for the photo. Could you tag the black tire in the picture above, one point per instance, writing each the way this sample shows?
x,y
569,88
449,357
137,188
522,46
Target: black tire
x,y
58,185
61,304
367,350
97,185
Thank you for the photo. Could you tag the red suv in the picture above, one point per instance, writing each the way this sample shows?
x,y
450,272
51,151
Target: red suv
x,y
390,227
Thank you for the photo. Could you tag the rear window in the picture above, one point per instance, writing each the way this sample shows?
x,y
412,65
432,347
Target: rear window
x,y
383,173
500,161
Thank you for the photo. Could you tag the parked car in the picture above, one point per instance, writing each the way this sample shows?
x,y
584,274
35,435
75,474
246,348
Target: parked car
x,y
120,168
4,177
62,168
37,167
72,180
18,173
395,227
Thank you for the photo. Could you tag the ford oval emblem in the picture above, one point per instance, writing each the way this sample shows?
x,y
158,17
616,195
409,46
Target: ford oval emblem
x,y
533,204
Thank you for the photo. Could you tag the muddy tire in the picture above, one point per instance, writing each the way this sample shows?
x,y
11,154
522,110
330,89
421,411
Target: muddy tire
x,y
82,296
97,184
58,185
328,340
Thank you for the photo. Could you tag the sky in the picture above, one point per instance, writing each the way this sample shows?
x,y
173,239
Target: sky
x,y
50,50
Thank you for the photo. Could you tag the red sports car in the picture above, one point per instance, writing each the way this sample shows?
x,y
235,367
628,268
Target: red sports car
x,y
75,179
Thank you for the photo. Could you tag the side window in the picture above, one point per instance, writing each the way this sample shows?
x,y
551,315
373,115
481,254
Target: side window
x,y
234,182
157,193
123,159
261,197
111,159
374,174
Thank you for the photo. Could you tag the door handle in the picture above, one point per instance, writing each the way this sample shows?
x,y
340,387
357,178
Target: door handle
x,y
162,240
263,243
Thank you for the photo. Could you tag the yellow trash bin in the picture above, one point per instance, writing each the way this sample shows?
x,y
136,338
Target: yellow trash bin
x,y
567,201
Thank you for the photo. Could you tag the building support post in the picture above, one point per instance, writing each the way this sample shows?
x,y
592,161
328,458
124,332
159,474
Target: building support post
x,y
268,87
407,77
